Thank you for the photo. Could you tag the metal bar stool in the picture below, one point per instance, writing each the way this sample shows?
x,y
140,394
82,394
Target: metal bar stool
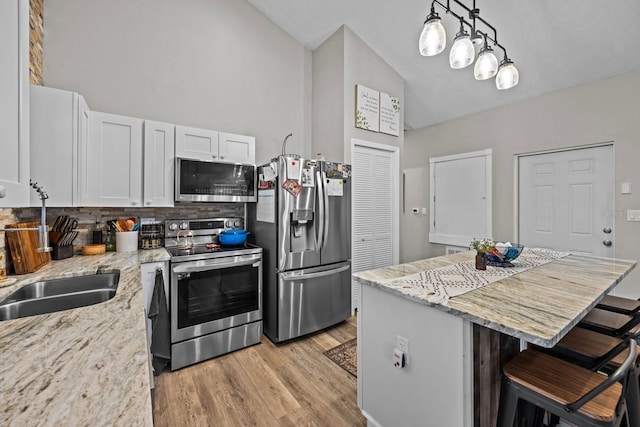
x,y
619,305
611,323
569,391
599,352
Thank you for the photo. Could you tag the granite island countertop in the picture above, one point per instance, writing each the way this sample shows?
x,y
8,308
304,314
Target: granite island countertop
x,y
539,305
84,366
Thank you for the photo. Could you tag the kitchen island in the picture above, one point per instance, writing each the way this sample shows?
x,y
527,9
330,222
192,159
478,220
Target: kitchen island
x,y
84,366
456,348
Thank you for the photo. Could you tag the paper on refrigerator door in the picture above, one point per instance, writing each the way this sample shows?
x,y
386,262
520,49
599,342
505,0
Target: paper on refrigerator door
x,y
266,206
294,169
334,187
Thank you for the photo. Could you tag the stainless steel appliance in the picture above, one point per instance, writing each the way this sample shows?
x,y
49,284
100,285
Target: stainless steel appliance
x,y
200,181
303,222
215,291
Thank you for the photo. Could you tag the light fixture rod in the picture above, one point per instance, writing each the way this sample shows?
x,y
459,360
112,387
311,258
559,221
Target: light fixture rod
x,y
475,14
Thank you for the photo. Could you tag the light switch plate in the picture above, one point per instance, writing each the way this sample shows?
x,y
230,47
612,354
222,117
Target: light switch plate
x,y
633,214
625,188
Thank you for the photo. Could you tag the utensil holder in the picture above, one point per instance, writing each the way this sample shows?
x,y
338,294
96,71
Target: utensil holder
x,y
126,241
62,252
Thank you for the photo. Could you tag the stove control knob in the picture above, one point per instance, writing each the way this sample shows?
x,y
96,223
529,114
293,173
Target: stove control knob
x,y
184,226
236,223
173,226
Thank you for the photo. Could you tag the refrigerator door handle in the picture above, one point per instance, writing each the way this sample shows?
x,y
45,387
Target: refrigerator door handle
x,y
321,213
287,278
325,208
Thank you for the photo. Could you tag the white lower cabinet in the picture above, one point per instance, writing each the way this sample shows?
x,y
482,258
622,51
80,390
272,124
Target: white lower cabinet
x,y
58,123
110,165
159,156
148,274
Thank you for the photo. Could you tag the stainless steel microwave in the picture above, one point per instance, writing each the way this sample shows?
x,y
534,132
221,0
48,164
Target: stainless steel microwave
x,y
200,181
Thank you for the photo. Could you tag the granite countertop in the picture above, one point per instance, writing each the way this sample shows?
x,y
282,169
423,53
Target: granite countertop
x,y
85,366
539,305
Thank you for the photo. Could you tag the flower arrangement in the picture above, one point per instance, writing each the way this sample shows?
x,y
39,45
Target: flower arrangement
x,y
482,246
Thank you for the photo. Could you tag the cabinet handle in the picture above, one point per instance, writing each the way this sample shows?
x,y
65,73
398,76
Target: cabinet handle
x,y
148,202
3,192
221,157
134,202
214,156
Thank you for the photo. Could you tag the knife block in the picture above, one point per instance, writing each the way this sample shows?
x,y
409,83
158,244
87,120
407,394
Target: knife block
x,y
62,252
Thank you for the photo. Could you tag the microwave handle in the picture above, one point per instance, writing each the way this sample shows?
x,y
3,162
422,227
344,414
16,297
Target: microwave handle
x,y
197,266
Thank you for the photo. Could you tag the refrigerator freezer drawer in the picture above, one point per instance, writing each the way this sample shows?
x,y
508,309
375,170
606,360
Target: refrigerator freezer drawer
x,y
313,299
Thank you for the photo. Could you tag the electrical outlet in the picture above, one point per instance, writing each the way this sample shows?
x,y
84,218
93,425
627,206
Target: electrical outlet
x,y
402,344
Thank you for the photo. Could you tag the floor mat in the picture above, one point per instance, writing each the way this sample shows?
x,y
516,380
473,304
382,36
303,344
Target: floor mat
x,y
346,356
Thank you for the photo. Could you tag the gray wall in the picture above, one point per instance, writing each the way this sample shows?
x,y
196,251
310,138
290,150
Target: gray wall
x,y
214,64
601,111
339,64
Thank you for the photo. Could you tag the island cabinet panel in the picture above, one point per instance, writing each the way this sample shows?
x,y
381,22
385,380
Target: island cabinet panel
x,y
435,387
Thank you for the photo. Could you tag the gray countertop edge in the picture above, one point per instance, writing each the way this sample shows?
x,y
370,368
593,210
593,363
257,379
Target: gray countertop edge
x,y
84,366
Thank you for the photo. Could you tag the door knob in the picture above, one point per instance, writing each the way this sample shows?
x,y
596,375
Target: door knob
x,y
607,243
606,230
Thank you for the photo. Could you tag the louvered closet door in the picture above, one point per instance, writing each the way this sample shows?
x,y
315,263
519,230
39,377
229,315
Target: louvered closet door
x,y
372,210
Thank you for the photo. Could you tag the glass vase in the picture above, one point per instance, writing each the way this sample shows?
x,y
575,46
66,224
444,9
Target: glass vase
x,y
481,261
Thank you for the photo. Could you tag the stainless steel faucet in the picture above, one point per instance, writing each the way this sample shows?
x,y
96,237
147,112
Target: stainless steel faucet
x,y
43,228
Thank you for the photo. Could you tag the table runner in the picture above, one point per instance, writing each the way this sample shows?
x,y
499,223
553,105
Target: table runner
x,y
442,283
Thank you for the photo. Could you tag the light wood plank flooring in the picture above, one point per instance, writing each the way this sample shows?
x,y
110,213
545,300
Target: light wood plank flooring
x,y
291,384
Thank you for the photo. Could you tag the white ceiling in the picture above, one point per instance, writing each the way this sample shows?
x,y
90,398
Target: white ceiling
x,y
555,44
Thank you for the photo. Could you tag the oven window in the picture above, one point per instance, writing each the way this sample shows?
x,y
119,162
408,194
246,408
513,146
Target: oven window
x,y
211,295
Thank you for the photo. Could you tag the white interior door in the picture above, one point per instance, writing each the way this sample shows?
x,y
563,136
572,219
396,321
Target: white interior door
x,y
566,201
374,209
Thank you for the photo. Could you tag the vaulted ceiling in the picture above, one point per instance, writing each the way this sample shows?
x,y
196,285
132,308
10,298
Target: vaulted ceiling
x,y
555,44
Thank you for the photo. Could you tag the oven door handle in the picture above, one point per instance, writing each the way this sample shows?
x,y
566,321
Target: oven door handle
x,y
204,265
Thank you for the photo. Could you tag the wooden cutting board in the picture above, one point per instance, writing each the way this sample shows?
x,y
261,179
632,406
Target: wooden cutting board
x,y
22,245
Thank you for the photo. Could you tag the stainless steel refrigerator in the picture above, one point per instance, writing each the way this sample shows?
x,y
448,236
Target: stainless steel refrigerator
x,y
302,220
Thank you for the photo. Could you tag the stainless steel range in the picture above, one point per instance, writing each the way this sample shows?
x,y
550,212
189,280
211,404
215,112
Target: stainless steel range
x,y
215,291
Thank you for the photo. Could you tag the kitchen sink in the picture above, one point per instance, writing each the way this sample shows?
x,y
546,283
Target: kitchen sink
x,y
48,296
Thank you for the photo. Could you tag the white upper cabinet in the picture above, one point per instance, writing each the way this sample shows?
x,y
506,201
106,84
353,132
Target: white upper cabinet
x,y
58,124
212,146
14,103
237,148
110,163
159,148
197,144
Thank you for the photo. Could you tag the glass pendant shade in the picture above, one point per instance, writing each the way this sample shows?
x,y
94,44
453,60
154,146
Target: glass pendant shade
x,y
486,65
462,53
508,75
433,37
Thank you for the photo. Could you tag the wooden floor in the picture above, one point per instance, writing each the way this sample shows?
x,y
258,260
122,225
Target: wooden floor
x,y
291,384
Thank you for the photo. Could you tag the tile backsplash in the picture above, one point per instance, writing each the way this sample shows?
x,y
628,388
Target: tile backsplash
x,y
86,218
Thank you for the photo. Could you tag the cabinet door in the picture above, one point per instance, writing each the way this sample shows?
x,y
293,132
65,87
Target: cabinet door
x,y
14,103
197,144
159,148
111,164
237,148
53,135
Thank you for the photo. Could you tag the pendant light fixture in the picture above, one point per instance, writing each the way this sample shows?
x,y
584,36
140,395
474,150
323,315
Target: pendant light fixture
x,y
433,41
433,38
508,75
462,52
487,63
